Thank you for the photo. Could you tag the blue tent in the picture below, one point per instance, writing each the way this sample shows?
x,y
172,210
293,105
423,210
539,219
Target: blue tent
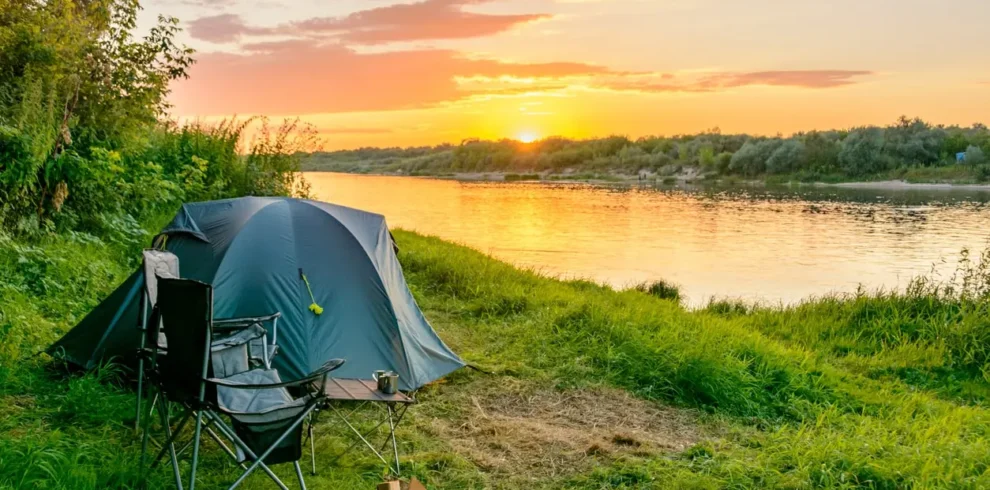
x,y
256,251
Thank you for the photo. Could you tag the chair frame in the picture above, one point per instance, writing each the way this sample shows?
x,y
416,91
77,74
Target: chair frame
x,y
201,406
226,324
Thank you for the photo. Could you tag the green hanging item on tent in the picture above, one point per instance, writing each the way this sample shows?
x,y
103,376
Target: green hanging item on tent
x,y
315,308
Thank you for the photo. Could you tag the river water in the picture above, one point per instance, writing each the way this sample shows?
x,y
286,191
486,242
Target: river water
x,y
770,246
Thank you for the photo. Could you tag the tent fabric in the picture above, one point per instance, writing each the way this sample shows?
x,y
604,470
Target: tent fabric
x,y
254,251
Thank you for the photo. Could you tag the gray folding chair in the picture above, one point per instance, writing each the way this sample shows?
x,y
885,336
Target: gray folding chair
x,y
162,263
211,379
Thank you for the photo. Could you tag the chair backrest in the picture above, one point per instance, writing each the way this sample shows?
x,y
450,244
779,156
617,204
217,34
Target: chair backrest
x,y
158,263
186,307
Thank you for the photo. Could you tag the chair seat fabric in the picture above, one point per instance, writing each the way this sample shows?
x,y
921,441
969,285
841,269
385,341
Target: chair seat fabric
x,y
258,406
261,415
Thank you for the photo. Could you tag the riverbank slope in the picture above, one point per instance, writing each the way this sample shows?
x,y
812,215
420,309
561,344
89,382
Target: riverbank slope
x,y
590,387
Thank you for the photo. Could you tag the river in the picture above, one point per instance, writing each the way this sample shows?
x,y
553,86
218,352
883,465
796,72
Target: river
x,y
770,246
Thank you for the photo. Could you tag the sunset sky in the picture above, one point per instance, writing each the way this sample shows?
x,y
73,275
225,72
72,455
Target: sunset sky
x,y
388,73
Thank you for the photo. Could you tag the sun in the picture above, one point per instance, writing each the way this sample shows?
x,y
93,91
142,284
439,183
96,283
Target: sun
x,y
527,137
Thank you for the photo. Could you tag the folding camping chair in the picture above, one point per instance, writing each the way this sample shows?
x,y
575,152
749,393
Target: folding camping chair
x,y
207,380
161,263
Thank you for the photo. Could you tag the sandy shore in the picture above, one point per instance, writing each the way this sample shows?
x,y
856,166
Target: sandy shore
x,y
893,185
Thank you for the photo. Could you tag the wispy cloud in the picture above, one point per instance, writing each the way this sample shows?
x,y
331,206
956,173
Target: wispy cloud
x,y
718,81
426,20
299,77
308,77
348,130
223,28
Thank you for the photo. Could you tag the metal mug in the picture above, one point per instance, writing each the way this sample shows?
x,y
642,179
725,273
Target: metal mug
x,y
388,382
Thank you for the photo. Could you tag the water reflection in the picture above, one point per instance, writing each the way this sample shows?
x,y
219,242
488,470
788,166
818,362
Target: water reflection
x,y
769,245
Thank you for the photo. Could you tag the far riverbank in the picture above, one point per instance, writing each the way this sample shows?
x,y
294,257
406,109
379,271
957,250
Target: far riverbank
x,y
689,178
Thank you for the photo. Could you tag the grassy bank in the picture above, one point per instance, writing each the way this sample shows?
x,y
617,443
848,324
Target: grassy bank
x,y
591,388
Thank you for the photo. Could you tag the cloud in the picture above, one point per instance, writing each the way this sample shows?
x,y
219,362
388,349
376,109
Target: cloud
x,y
296,77
793,78
430,19
223,28
425,20
208,4
346,130
711,82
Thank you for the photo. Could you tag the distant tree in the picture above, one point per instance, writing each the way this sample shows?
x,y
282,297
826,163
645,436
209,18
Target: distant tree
x,y
862,152
722,162
955,142
752,158
975,155
612,145
914,141
822,152
788,157
706,156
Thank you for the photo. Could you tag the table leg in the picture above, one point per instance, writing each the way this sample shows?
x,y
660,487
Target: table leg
x,y
395,446
399,414
361,437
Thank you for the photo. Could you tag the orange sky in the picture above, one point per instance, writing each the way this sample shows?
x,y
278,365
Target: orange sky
x,y
414,72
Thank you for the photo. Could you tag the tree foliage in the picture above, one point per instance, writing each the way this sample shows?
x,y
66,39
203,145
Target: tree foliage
x,y
854,153
84,132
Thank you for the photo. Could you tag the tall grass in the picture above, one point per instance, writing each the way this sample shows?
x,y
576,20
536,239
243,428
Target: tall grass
x,y
802,389
877,390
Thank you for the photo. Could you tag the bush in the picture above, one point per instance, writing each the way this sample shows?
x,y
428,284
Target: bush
x,y
975,156
788,157
862,152
661,289
752,158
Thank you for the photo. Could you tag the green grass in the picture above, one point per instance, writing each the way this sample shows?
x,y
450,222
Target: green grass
x,y
872,391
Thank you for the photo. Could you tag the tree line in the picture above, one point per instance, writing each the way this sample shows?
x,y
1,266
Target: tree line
x,y
853,153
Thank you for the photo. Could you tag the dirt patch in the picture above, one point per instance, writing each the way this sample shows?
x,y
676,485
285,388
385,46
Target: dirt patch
x,y
537,432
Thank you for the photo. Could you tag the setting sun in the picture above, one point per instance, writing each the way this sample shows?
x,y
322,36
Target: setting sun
x,y
527,137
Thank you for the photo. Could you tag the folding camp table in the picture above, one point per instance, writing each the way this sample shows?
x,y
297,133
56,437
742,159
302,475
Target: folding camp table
x,y
364,392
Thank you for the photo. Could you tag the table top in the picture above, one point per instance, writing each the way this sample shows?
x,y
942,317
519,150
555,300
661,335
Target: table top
x,y
364,390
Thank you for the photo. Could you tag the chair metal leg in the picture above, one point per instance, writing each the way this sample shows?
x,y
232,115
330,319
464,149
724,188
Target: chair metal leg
x,y
144,444
195,454
302,483
140,393
143,326
170,444
312,445
260,459
227,431
170,436
230,452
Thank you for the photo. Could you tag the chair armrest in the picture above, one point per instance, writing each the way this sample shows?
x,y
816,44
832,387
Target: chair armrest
x,y
232,323
240,336
322,372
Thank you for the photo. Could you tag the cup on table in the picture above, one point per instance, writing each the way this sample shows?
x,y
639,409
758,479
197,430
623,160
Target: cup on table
x,y
388,381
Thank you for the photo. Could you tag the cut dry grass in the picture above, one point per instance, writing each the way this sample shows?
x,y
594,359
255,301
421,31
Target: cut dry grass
x,y
523,432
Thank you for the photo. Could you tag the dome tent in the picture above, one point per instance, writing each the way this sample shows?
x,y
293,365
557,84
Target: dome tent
x,y
256,251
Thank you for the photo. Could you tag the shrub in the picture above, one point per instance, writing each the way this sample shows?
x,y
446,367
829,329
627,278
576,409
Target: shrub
x,y
788,157
661,289
752,158
975,156
862,152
